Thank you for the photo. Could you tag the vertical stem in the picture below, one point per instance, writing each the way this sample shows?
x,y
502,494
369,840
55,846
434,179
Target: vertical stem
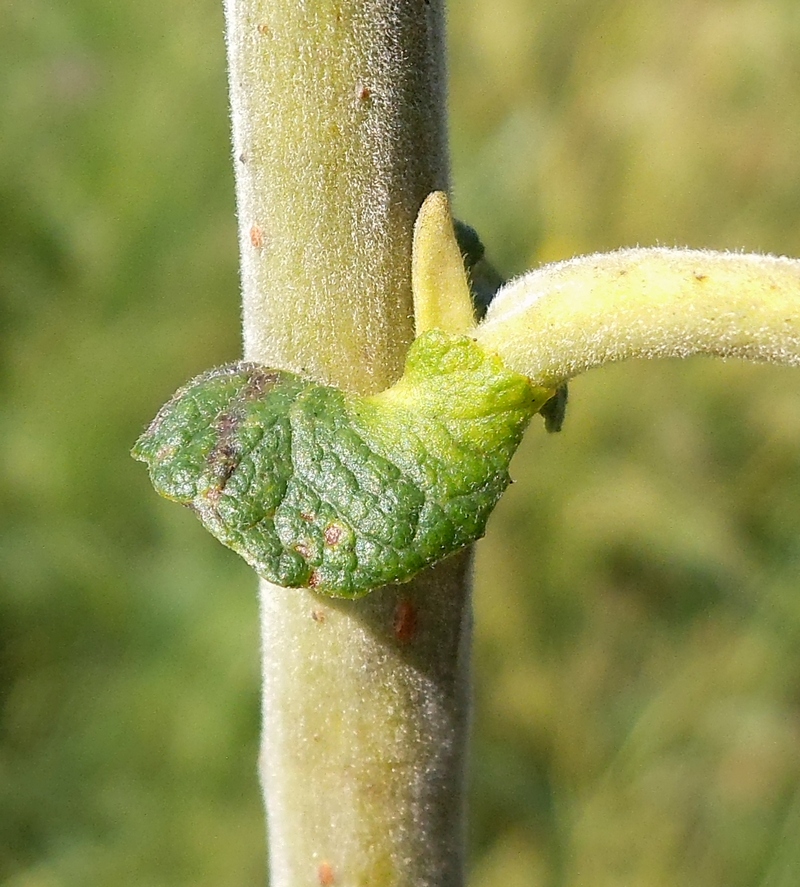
x,y
339,133
365,722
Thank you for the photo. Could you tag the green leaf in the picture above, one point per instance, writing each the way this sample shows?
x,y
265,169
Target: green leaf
x,y
317,488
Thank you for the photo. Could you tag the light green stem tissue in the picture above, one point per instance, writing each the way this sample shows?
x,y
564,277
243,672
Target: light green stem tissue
x,y
564,319
339,133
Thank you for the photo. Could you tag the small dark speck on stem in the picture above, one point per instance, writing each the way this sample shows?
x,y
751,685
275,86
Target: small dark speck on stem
x,y
363,93
404,622
257,237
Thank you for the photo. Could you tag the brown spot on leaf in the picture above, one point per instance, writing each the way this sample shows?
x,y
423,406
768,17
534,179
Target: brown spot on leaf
x,y
699,276
305,515
314,579
404,623
165,452
325,874
333,534
227,423
259,382
303,549
318,616
222,462
264,29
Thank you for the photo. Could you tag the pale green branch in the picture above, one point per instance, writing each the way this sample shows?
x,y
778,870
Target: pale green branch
x,y
564,319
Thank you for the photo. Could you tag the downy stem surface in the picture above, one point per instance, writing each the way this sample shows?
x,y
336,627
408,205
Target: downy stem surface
x,y
339,133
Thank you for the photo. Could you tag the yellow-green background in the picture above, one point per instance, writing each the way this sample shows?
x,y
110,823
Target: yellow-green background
x,y
638,598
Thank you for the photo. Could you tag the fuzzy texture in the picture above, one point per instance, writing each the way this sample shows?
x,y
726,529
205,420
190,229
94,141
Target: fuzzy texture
x,y
564,319
366,712
339,134
316,488
442,298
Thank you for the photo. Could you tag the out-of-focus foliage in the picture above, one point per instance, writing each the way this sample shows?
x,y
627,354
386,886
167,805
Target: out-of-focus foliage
x,y
637,665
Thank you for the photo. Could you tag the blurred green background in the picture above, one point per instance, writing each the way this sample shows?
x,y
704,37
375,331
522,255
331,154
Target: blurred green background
x,y
638,616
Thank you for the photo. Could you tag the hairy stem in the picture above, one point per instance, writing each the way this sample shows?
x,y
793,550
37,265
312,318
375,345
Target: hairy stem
x,y
564,319
339,133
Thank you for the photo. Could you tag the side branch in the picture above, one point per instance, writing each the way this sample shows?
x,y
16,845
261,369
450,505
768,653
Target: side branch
x,y
564,319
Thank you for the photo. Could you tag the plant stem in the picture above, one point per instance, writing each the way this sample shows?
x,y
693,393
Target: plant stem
x,y
339,133
365,720
564,319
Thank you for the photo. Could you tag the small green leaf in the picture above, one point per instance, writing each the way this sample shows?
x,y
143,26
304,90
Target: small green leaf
x,y
317,488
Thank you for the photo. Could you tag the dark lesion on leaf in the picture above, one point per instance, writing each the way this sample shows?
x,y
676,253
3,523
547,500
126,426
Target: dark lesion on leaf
x,y
303,549
333,534
224,458
259,382
226,425
222,462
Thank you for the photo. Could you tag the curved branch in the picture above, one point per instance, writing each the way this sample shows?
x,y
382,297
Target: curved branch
x,y
564,319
